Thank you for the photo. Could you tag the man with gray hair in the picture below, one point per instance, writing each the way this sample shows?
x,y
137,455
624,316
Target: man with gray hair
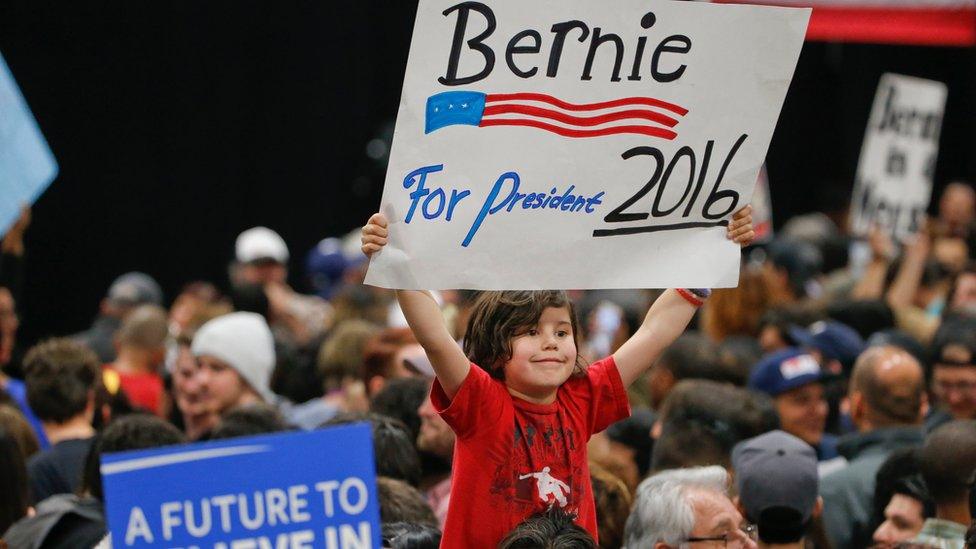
x,y
681,506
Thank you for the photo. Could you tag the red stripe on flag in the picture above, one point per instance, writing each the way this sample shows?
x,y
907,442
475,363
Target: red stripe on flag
x,y
566,132
580,120
649,101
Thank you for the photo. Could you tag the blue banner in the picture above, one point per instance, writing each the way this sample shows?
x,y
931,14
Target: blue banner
x,y
27,166
296,490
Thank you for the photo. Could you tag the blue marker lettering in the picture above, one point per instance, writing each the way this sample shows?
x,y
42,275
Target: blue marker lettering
x,y
442,198
421,191
594,201
455,198
578,204
487,208
549,198
514,201
566,202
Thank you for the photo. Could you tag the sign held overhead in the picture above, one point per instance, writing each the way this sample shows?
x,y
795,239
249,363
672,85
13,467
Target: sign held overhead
x,y
893,186
535,140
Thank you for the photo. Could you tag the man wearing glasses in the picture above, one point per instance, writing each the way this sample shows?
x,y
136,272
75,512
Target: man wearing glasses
x,y
687,506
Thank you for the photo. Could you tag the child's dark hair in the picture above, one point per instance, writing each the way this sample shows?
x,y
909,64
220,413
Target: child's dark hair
x,y
550,529
498,317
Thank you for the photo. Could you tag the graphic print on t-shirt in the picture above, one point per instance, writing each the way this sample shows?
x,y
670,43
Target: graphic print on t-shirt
x,y
550,489
541,473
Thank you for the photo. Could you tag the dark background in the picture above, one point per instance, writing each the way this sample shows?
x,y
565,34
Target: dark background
x,y
179,124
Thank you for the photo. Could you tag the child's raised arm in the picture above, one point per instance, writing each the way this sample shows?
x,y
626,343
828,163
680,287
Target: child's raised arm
x,y
424,317
665,321
669,315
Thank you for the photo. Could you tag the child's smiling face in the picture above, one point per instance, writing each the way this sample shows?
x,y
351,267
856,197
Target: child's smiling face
x,y
543,357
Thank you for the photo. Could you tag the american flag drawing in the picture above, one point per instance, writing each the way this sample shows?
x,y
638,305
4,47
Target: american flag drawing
x,y
628,115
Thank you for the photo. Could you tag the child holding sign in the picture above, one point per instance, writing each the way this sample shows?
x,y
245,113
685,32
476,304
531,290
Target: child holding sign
x,y
521,403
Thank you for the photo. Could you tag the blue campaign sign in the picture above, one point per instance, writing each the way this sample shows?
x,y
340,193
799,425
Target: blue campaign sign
x,y
27,166
293,490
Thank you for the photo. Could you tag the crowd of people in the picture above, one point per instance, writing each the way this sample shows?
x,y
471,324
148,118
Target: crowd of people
x,y
828,401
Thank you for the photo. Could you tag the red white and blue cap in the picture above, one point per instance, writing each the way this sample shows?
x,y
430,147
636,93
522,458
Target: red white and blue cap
x,y
785,370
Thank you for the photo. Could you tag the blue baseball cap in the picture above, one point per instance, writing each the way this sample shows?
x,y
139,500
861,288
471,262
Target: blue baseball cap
x,y
327,263
835,340
784,370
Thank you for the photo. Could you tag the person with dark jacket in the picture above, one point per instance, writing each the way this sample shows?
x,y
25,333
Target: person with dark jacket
x,y
69,521
887,403
62,379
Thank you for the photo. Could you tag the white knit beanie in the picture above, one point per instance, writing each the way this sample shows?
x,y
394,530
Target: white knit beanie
x,y
244,341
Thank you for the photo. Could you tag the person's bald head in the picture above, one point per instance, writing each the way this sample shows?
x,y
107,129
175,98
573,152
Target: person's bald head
x,y
887,389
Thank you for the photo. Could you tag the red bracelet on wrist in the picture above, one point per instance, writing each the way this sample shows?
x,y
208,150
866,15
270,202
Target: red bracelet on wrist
x,y
690,297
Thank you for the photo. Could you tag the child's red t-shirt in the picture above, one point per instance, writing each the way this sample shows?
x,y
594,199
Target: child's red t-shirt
x,y
514,458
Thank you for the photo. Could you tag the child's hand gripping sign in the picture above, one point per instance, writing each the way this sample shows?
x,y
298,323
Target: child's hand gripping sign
x,y
561,144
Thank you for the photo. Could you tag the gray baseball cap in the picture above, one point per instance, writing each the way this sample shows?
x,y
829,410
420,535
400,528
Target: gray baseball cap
x,y
135,289
775,470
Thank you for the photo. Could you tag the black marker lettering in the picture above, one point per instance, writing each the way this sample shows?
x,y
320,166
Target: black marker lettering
x,y
664,47
476,43
561,30
513,49
597,40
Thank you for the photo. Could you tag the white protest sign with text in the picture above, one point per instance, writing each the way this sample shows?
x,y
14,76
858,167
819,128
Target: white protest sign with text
x,y
897,164
563,144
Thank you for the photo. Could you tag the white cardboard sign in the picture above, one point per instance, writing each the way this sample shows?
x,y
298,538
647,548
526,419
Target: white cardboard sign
x,y
568,144
901,144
